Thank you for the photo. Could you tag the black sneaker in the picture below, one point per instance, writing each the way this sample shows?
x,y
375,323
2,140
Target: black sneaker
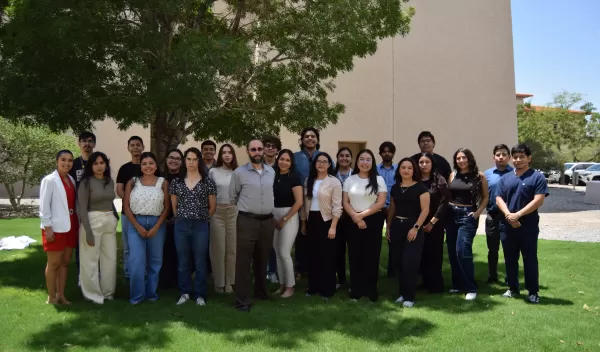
x,y
510,294
533,299
493,280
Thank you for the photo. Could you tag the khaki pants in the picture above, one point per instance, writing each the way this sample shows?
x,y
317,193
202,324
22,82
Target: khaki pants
x,y
283,242
223,246
102,256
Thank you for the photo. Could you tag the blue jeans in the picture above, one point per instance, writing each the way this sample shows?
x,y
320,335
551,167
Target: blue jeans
x,y
272,266
145,256
192,235
124,229
460,232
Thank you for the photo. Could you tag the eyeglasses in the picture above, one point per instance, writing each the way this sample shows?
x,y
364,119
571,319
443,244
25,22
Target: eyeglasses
x,y
254,150
322,162
192,160
174,158
270,146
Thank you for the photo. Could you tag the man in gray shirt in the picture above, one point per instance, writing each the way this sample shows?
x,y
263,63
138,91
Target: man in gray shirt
x,y
251,190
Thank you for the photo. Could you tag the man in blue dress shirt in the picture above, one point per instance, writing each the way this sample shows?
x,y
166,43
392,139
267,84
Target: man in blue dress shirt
x,y
387,170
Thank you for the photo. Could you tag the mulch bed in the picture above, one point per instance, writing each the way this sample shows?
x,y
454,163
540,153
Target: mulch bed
x,y
26,211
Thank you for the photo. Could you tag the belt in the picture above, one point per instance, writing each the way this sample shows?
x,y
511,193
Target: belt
x,y
256,216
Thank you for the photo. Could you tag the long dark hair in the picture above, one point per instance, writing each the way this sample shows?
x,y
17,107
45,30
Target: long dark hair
x,y
472,175
167,172
372,173
201,169
144,155
291,155
337,164
88,172
220,162
434,173
416,176
312,175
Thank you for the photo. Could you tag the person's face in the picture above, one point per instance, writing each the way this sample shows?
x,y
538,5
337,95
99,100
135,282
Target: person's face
x,y
365,162
309,140
135,147
406,170
462,161
227,155
344,158
271,150
284,162
425,164
174,161
64,163
87,145
521,161
386,155
191,161
208,152
99,166
148,166
256,152
426,144
322,164
501,157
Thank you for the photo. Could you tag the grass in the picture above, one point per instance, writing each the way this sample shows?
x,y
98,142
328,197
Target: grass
x,y
569,277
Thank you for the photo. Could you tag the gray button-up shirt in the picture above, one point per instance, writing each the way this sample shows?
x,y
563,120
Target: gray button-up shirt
x,y
251,191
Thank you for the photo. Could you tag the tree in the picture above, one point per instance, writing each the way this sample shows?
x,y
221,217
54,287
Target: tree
x,y
26,155
227,70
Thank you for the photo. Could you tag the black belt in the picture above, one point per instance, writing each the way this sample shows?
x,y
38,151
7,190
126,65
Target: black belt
x,y
256,216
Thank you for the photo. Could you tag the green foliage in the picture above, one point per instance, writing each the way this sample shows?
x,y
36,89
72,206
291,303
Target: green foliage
x,y
27,154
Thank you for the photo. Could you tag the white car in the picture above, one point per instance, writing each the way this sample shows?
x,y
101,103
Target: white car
x,y
577,167
592,173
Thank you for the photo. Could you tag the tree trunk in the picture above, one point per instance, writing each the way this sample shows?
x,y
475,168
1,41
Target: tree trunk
x,y
166,132
10,189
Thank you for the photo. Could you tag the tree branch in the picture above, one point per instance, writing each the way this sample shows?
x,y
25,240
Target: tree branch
x,y
235,24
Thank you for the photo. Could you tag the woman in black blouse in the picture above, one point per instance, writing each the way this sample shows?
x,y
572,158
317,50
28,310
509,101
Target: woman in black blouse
x,y
409,206
194,200
433,248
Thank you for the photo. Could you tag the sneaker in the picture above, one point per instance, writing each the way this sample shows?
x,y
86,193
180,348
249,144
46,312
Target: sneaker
x,y
408,304
533,299
200,301
400,299
78,283
493,280
471,296
182,299
454,291
273,278
337,286
510,294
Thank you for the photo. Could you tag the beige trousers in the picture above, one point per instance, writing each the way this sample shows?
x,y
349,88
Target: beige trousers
x,y
102,256
223,245
283,242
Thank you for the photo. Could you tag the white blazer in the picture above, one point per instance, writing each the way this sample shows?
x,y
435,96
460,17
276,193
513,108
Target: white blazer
x,y
54,208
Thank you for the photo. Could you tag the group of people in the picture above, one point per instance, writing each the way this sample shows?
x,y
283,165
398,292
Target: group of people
x,y
240,222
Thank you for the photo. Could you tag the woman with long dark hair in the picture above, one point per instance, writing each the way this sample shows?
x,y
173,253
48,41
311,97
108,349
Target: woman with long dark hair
x,y
343,170
365,193
433,248
469,197
322,210
223,229
59,224
146,206
409,206
194,200
97,235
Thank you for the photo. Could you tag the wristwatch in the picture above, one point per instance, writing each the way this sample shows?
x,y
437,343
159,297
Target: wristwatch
x,y
416,226
285,218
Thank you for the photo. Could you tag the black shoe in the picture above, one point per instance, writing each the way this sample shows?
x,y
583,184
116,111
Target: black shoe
x,y
533,299
510,293
493,280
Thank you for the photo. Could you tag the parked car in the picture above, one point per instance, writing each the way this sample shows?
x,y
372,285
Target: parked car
x,y
552,176
592,173
577,167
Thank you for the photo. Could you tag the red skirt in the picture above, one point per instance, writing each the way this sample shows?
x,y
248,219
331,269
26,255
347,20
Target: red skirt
x,y
63,240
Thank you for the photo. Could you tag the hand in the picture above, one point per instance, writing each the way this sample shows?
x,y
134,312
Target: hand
x,y
331,233
387,234
512,217
90,242
516,224
142,231
412,234
361,224
152,232
50,235
276,224
303,228
475,214
280,224
427,228
357,217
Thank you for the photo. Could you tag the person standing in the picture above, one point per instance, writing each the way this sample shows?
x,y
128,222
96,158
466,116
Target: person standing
x,y
364,195
272,147
251,189
98,232
209,149
469,197
146,206
520,194
408,212
59,224
223,223
288,194
426,142
387,170
343,170
492,222
433,247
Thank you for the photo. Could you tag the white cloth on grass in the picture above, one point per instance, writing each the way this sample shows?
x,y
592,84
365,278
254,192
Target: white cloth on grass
x,y
13,242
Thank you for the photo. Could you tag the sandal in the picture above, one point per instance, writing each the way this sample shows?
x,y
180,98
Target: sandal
x,y
63,300
52,301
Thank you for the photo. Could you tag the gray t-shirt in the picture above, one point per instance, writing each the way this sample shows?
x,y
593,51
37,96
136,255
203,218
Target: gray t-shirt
x,y
252,191
94,195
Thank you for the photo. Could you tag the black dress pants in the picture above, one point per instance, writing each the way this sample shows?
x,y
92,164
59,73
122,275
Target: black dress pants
x,y
364,248
341,238
321,253
432,259
407,256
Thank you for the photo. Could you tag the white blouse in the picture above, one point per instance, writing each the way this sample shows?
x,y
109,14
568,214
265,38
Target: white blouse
x,y
147,200
360,198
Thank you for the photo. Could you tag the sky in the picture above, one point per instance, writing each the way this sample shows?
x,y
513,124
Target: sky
x,y
556,48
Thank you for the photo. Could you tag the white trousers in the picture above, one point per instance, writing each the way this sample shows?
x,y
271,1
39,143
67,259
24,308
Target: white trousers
x,y
283,242
102,256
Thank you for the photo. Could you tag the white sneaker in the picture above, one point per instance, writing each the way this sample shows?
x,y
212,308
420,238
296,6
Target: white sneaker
x,y
408,304
273,278
337,286
471,296
200,301
400,299
184,298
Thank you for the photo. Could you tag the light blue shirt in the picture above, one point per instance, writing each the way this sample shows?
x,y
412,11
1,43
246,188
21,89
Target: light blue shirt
x,y
388,175
302,163
493,176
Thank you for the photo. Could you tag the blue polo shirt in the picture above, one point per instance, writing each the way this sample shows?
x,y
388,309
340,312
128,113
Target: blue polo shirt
x,y
388,175
518,191
302,163
493,176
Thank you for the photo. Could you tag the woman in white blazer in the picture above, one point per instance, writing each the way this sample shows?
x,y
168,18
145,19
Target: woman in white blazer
x,y
60,225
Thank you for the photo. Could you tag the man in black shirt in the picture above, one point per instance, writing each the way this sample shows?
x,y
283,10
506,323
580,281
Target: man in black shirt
x,y
426,142
86,142
208,149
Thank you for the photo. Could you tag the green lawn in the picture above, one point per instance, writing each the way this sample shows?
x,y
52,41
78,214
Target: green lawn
x,y
569,278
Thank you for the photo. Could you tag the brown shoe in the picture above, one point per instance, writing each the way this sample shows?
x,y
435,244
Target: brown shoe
x,y
288,293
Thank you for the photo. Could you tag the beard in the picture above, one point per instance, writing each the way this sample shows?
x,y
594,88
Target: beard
x,y
257,159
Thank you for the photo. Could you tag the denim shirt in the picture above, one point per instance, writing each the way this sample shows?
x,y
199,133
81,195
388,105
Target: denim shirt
x,y
493,176
302,163
388,175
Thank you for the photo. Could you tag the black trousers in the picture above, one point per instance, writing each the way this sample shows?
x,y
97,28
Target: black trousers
x,y
391,270
407,256
341,238
364,248
300,251
492,235
521,241
168,271
432,258
321,253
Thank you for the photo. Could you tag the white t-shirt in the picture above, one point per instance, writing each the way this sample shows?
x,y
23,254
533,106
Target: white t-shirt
x,y
360,198
314,202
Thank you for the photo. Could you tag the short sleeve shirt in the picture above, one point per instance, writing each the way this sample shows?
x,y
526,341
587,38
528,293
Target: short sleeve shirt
x,y
407,200
77,170
360,197
282,189
518,191
193,203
